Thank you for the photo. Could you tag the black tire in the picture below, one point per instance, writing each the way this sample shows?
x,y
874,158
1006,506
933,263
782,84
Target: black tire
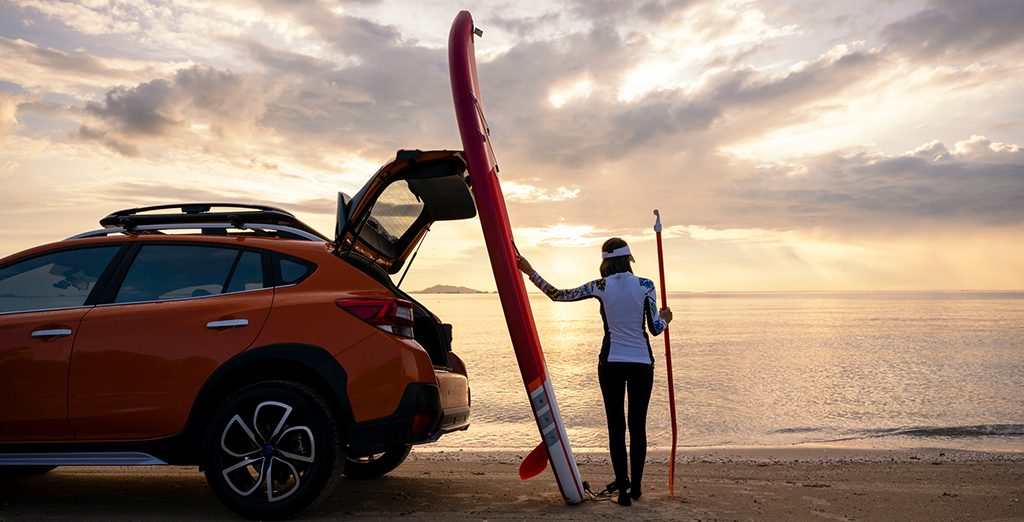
x,y
272,450
376,465
10,472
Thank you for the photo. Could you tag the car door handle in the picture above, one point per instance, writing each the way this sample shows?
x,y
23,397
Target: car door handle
x,y
230,323
56,332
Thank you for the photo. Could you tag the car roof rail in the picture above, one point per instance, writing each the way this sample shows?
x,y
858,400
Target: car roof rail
x,y
237,215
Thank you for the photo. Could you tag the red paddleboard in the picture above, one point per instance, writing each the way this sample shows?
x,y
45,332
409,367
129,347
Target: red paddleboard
x,y
490,206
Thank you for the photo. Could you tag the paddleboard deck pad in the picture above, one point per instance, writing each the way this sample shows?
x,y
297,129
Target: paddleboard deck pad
x,y
500,248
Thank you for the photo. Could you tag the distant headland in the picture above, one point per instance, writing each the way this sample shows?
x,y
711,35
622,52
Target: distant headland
x,y
448,289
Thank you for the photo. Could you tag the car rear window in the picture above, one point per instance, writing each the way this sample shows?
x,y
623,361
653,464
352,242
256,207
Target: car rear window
x,y
59,280
170,271
395,211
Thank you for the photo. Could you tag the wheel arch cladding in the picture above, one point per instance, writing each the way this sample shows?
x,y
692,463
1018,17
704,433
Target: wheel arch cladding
x,y
310,365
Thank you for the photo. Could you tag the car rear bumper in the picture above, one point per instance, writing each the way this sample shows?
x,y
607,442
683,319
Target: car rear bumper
x,y
369,437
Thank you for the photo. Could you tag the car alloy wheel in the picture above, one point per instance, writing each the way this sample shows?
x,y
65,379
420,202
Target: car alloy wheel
x,y
272,450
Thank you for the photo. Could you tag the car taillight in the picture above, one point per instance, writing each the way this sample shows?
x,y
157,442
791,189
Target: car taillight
x,y
390,315
421,423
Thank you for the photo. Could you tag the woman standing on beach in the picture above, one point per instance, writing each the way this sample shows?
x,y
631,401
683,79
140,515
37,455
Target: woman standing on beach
x,y
626,363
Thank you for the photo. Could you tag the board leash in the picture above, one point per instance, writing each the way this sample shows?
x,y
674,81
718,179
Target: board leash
x,y
668,362
603,496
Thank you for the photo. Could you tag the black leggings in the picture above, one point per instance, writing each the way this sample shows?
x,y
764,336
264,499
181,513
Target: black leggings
x,y
616,378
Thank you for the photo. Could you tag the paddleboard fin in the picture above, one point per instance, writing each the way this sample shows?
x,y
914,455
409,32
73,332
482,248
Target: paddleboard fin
x,y
534,463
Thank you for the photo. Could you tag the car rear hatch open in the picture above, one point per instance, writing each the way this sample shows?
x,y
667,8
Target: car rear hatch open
x,y
387,218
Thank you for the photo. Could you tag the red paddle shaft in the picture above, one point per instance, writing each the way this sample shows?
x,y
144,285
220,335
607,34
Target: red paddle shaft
x,y
668,363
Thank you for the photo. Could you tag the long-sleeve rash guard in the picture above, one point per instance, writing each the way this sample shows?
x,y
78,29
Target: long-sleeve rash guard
x,y
626,301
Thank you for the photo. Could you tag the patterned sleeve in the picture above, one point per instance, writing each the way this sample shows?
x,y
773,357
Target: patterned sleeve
x,y
655,323
575,294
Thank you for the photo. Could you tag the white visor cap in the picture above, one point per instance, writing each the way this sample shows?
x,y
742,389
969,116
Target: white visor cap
x,y
618,252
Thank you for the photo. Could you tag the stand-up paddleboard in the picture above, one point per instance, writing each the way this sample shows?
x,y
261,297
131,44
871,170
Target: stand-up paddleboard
x,y
498,236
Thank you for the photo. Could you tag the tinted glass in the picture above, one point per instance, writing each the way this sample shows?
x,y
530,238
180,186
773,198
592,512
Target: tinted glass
x,y
59,280
248,274
292,272
395,211
162,272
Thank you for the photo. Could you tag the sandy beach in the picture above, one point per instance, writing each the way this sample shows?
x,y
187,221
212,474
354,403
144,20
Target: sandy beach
x,y
793,483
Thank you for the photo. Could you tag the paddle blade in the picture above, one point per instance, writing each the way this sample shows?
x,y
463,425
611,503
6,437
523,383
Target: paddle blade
x,y
534,463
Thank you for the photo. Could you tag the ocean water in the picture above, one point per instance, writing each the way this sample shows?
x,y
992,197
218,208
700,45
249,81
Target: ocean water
x,y
882,370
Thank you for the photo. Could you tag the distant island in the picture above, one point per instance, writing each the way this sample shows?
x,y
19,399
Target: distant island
x,y
448,289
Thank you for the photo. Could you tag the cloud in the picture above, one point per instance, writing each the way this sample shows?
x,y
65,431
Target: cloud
x,y
147,110
723,107
95,19
982,149
38,68
513,191
196,105
350,35
9,113
954,29
975,182
109,140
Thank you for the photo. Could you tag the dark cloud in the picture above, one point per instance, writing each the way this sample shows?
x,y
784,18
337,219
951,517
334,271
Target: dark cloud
x,y
401,100
230,104
973,185
822,79
144,110
112,142
959,29
884,193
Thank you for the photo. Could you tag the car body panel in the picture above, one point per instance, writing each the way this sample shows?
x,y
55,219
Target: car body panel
x,y
34,374
380,368
454,389
127,383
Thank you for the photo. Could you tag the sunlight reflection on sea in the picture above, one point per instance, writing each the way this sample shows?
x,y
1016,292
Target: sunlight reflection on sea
x,y
874,370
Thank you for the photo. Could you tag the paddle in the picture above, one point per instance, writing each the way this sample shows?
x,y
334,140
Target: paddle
x,y
668,363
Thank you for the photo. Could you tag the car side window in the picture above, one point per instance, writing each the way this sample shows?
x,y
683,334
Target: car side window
x,y
169,271
59,280
248,273
292,270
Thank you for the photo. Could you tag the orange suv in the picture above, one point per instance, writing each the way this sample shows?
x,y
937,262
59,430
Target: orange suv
x,y
236,338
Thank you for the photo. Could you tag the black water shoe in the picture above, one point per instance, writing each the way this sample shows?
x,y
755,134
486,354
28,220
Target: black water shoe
x,y
624,493
637,490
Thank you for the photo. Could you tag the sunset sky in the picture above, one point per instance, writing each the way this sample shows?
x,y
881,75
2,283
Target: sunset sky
x,y
789,145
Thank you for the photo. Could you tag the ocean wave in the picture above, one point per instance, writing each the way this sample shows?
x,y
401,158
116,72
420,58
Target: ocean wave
x,y
984,430
790,431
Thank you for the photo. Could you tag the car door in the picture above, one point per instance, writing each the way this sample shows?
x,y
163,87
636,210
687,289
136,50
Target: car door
x,y
394,209
42,301
178,312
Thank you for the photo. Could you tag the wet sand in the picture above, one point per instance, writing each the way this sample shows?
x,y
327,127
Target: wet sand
x,y
795,483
